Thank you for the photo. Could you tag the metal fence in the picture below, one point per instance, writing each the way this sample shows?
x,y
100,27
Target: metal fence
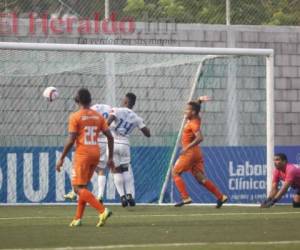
x,y
244,12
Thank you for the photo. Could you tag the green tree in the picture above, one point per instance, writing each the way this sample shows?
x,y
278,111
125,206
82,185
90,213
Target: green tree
x,y
251,12
141,9
284,12
192,11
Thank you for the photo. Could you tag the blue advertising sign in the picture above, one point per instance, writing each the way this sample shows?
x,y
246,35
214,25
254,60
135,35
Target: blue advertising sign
x,y
27,174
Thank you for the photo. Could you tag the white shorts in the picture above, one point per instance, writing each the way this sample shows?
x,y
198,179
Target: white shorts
x,y
121,154
103,155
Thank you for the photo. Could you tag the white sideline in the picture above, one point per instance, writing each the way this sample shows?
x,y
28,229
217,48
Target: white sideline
x,y
156,215
230,243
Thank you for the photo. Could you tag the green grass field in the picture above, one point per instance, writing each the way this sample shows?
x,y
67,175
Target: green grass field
x,y
151,227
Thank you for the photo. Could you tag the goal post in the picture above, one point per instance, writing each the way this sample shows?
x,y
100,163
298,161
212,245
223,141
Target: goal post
x,y
269,118
164,79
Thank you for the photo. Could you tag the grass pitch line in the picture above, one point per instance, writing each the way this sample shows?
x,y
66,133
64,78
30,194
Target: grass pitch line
x,y
160,246
155,215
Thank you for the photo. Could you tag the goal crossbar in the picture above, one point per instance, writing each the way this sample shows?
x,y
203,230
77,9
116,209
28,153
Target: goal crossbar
x,y
136,49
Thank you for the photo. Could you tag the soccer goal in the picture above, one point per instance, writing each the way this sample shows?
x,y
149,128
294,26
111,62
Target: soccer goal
x,y
237,123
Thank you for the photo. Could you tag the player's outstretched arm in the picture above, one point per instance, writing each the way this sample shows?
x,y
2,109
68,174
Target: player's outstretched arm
x,y
282,191
204,98
275,196
268,202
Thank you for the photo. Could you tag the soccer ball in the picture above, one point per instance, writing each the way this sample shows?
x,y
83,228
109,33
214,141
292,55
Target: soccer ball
x,y
50,93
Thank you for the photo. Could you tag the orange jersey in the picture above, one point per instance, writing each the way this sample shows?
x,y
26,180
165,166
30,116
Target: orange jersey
x,y
190,129
191,160
87,123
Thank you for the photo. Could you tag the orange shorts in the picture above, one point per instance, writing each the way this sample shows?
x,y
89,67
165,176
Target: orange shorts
x,y
83,168
190,161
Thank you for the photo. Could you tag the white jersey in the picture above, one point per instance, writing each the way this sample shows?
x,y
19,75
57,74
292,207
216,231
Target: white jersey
x,y
104,110
126,121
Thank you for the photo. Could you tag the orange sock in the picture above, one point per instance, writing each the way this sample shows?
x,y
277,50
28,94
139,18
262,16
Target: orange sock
x,y
213,189
180,186
80,208
88,197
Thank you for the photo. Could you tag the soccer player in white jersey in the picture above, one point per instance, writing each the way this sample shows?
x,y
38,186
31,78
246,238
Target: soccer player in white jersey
x,y
123,121
104,110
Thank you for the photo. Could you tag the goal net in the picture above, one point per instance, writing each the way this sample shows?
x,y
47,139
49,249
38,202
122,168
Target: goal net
x,y
237,143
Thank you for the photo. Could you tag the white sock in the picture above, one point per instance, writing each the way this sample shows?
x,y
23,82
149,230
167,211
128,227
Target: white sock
x,y
132,181
101,185
118,180
129,183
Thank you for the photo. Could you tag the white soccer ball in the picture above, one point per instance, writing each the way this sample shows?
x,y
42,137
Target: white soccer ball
x,y
50,93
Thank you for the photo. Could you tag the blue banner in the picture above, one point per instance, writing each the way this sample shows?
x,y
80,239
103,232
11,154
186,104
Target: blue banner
x,y
27,174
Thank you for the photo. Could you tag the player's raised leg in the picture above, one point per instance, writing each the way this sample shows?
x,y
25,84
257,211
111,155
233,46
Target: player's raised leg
x,y
210,186
86,196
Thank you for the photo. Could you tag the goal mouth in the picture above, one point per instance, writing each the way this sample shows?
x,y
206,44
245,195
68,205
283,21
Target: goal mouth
x,y
234,122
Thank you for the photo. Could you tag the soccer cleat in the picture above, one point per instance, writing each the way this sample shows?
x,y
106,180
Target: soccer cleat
x,y
71,196
130,200
75,223
124,201
185,201
221,201
103,217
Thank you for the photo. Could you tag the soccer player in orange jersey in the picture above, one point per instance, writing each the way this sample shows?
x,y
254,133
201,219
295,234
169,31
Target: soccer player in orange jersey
x,y
191,158
84,128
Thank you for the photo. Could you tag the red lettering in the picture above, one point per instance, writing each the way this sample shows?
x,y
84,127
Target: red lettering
x,y
70,20
131,25
45,23
84,27
56,25
32,16
15,23
112,21
96,22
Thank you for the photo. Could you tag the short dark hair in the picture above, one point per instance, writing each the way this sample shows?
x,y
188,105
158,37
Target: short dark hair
x,y
282,156
196,106
131,99
83,96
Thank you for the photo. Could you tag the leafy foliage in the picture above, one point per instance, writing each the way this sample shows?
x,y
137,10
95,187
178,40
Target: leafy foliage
x,y
250,12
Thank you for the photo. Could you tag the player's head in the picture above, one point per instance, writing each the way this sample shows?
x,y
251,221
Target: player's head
x,y
192,109
280,160
129,100
83,97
